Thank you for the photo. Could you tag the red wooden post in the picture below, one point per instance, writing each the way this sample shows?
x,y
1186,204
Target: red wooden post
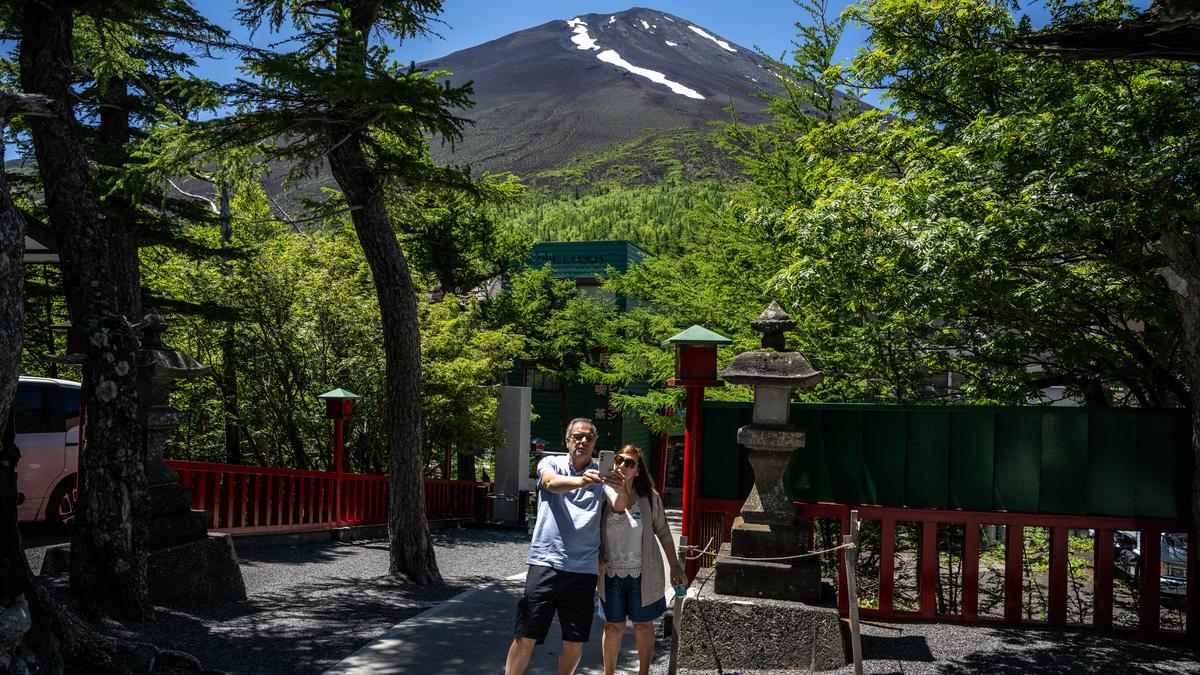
x,y
1057,612
691,473
970,571
929,569
887,563
1014,563
1102,592
1150,563
843,582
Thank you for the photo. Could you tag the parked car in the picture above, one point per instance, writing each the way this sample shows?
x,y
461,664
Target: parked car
x,y
1172,580
46,412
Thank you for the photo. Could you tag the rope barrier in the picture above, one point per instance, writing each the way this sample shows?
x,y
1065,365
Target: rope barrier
x,y
707,551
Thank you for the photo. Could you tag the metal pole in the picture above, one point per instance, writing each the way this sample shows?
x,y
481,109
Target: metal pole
x,y
851,558
676,611
691,471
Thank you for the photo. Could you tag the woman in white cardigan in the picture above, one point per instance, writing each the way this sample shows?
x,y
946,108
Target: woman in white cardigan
x,y
633,583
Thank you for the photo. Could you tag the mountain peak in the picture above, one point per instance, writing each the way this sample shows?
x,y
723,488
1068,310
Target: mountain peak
x,y
587,82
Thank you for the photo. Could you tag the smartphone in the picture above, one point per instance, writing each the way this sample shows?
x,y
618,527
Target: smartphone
x,y
606,462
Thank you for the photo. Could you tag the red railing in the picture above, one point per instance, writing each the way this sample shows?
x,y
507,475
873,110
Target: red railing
x,y
1073,585
259,499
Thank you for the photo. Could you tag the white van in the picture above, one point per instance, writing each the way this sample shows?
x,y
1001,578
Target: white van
x,y
47,420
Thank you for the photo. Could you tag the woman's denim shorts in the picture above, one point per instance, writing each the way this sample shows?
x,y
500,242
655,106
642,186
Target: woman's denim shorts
x,y
623,600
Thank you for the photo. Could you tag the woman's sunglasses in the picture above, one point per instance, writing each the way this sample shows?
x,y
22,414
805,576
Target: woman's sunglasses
x,y
628,462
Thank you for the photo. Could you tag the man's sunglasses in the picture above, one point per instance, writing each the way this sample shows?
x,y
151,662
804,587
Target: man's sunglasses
x,y
628,462
583,437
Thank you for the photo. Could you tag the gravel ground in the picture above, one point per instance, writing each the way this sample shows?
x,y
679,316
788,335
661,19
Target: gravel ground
x,y
917,649
310,606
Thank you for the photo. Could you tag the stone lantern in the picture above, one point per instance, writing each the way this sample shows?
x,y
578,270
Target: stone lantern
x,y
767,526
187,564
783,626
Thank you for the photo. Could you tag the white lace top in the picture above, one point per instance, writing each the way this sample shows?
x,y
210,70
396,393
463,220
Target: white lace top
x,y
623,531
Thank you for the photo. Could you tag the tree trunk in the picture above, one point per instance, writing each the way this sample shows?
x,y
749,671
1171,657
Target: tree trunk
x,y
412,553
14,570
411,548
1183,277
117,214
108,541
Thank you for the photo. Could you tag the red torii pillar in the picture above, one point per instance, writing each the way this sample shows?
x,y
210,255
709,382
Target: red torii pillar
x,y
695,371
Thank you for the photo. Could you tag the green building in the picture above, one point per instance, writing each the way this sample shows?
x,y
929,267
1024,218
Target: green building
x,y
586,263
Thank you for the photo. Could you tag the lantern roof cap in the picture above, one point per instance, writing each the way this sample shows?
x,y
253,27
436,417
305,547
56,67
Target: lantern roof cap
x,y
697,335
339,393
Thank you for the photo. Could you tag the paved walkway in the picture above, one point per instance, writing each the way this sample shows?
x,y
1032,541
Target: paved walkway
x,y
470,633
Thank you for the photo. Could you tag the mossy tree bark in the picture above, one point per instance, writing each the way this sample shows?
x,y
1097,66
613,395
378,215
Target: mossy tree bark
x,y
108,542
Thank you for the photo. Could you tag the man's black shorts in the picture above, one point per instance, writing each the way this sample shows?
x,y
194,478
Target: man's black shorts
x,y
548,590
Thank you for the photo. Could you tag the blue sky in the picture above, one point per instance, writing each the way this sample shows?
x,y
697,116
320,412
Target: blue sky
x,y
767,24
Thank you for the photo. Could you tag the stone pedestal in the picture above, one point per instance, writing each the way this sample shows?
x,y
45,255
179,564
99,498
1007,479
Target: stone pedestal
x,y
199,571
186,564
757,634
798,579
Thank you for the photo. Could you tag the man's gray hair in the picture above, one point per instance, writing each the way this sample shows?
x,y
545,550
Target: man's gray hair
x,y
572,423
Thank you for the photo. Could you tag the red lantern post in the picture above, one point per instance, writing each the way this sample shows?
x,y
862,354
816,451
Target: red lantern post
x,y
339,403
695,370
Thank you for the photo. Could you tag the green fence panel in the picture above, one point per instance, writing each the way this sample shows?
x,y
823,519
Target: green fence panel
x,y
884,439
1018,457
720,456
842,433
972,460
1157,468
808,473
927,471
1030,459
1112,460
1064,457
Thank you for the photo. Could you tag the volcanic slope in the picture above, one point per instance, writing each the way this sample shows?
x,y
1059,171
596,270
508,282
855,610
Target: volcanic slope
x,y
584,84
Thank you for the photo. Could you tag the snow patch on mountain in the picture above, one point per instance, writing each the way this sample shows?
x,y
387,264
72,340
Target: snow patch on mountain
x,y
581,38
671,44
720,43
611,56
645,26
612,19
